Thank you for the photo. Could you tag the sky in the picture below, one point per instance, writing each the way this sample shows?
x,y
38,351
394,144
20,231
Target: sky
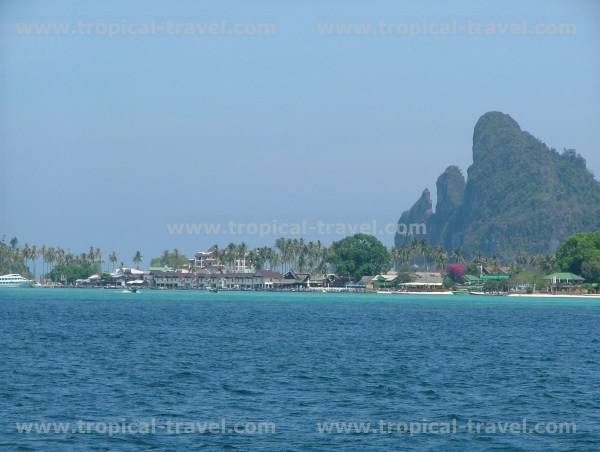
x,y
107,138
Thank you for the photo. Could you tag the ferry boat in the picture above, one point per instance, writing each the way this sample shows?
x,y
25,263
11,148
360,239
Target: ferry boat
x,y
14,280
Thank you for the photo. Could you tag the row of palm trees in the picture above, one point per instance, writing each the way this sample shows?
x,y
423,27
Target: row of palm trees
x,y
50,256
421,254
311,257
287,254
11,260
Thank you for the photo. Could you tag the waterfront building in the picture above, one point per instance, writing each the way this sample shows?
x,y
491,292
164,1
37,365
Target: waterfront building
x,y
171,280
205,260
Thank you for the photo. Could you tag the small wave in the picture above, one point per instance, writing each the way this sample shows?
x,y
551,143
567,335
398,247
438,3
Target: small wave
x,y
239,391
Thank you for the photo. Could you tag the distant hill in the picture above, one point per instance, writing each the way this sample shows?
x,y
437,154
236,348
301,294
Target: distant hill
x,y
519,195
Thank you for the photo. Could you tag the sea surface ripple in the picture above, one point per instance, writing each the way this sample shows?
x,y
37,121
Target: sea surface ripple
x,y
296,360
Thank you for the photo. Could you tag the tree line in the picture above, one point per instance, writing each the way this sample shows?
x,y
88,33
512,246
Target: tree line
x,y
353,255
28,259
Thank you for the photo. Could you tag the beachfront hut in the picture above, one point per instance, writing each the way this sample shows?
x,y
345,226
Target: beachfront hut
x,y
367,281
384,281
564,279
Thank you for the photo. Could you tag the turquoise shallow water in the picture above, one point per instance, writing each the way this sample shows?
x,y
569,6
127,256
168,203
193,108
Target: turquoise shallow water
x,y
296,360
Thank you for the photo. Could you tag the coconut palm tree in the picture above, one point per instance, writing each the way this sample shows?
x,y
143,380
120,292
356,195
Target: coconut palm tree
x,y
458,256
137,259
60,255
44,256
276,261
241,251
33,255
51,258
268,254
281,245
548,264
25,254
254,258
98,259
229,255
112,257
441,258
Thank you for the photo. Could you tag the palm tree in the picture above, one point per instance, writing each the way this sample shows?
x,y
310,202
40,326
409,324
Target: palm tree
x,y
534,260
215,249
229,255
302,255
241,250
267,255
422,249
25,254
112,257
276,260
137,259
280,244
458,256
51,257
98,258
44,256
520,260
395,255
90,254
254,258
413,246
33,255
548,264
441,258
479,258
495,263
60,255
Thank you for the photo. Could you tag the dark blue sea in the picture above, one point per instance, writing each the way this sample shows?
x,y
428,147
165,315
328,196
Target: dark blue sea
x,y
296,372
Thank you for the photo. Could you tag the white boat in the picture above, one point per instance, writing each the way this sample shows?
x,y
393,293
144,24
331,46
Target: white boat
x,y
14,280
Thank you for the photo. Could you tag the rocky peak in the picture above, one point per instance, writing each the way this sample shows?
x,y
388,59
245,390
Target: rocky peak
x,y
450,191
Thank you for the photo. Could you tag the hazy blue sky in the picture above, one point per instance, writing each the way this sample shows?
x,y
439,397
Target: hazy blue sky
x,y
106,140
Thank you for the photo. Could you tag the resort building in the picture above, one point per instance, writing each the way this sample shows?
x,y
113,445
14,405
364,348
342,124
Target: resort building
x,y
240,281
205,260
171,280
266,279
211,278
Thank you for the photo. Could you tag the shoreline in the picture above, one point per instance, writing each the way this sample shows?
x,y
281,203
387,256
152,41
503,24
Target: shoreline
x,y
335,291
541,295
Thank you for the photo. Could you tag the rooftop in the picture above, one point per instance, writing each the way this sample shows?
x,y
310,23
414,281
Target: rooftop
x,y
563,277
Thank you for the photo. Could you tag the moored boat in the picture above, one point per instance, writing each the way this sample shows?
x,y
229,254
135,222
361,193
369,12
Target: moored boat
x,y
14,281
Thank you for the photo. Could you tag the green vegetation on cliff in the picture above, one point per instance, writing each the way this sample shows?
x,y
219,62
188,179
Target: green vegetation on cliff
x,y
519,195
